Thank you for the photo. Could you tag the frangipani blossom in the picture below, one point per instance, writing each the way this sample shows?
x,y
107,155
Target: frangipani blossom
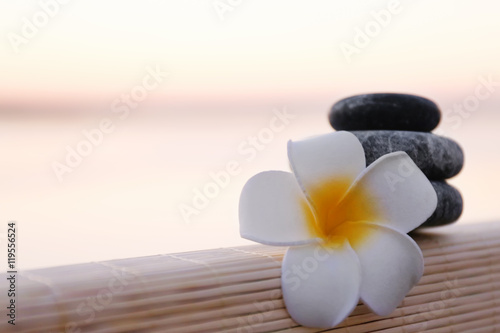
x,y
346,226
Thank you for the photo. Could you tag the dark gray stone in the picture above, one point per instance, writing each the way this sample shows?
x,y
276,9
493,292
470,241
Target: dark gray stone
x,y
449,207
438,157
386,111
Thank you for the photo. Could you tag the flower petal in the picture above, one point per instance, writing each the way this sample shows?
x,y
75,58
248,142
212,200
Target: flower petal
x,y
326,159
320,285
274,211
391,264
400,193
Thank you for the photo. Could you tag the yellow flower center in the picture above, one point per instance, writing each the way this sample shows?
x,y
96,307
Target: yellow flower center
x,y
338,218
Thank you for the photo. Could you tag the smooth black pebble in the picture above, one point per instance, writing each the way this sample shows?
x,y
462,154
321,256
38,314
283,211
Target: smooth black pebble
x,y
438,157
385,111
449,207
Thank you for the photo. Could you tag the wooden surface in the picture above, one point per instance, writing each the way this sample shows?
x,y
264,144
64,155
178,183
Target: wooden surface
x,y
238,290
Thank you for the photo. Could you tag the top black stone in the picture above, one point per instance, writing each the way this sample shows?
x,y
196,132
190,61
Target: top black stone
x,y
385,111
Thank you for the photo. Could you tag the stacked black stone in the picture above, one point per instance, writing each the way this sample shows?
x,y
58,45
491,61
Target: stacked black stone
x,y
385,123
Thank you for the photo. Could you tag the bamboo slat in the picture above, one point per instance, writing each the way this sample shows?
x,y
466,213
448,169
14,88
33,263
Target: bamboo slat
x,y
238,290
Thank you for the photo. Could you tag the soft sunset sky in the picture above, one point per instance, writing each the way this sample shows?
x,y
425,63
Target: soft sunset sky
x,y
91,50
226,76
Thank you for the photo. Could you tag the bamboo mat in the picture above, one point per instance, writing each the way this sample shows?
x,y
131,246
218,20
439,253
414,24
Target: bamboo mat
x,y
238,290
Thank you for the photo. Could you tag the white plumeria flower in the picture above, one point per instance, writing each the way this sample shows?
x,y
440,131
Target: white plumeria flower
x,y
346,226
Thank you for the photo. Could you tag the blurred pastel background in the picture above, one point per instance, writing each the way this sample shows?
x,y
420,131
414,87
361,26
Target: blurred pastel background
x,y
232,65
